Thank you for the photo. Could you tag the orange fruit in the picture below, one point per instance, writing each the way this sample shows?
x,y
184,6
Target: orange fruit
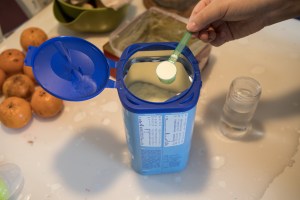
x,y
2,79
27,70
44,104
15,112
18,85
12,61
32,36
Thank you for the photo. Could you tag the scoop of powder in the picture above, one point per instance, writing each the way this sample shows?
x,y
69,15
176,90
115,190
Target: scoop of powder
x,y
166,72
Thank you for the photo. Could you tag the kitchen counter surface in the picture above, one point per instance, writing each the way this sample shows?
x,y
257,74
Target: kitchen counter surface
x,y
82,153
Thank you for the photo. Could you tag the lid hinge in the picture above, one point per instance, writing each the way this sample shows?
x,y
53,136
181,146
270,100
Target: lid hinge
x,y
111,84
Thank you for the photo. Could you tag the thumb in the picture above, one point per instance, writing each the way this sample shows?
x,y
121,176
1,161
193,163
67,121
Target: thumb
x,y
202,19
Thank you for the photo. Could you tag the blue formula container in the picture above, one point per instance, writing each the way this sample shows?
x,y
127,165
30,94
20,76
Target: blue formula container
x,y
158,118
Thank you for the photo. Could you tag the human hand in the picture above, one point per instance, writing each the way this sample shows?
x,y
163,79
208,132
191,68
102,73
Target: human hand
x,y
220,21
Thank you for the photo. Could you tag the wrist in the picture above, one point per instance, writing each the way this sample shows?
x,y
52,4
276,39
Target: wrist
x,y
285,10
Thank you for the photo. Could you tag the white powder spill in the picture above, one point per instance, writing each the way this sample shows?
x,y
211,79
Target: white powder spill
x,y
246,168
222,184
106,121
112,107
137,198
217,162
79,116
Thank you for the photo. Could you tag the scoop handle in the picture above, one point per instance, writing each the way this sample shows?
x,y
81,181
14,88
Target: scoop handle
x,y
184,40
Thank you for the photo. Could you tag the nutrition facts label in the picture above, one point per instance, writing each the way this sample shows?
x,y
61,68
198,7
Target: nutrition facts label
x,y
150,129
175,128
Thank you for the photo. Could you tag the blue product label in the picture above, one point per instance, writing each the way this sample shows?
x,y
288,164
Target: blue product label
x,y
159,143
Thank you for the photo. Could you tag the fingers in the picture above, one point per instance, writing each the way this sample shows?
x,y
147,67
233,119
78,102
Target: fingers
x,y
206,21
220,39
216,35
205,13
207,35
191,25
199,6
223,35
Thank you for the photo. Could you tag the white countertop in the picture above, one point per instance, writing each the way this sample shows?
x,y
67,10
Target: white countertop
x,y
82,154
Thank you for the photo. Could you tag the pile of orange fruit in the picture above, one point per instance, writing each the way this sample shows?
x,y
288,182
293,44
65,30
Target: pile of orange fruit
x,y
22,97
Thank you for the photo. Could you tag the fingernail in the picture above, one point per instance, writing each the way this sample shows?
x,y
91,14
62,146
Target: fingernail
x,y
191,26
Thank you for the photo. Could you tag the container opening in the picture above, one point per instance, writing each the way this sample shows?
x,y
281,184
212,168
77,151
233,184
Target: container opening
x,y
141,79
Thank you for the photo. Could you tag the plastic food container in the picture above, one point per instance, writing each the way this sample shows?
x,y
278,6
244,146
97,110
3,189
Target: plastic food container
x,y
156,25
181,7
158,129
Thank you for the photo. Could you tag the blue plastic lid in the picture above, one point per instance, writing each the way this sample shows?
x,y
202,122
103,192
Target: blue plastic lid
x,y
69,68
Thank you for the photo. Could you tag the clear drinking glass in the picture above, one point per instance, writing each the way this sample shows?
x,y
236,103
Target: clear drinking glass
x,y
239,108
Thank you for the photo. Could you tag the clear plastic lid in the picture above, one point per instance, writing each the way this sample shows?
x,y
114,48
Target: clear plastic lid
x,y
11,181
